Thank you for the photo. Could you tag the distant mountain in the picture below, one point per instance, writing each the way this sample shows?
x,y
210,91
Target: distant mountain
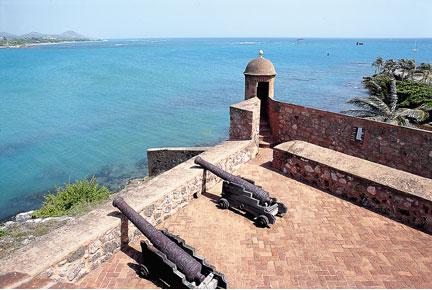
x,y
71,35
33,35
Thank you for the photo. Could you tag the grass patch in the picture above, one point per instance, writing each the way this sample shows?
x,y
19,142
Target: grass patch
x,y
72,198
3,233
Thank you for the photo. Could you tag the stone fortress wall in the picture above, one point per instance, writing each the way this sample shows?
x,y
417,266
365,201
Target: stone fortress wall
x,y
397,194
408,198
399,147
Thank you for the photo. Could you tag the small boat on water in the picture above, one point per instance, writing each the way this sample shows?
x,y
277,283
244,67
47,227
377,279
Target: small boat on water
x,y
359,43
415,49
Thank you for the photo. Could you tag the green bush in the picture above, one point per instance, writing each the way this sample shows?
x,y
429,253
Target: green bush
x,y
3,233
72,198
413,94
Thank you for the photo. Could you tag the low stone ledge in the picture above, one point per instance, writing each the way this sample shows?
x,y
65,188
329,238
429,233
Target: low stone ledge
x,y
163,159
70,252
398,194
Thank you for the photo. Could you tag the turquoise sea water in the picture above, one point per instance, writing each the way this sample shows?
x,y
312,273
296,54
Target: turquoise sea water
x,y
75,110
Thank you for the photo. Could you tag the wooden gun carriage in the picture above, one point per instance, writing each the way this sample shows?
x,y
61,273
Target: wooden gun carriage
x,y
242,194
168,259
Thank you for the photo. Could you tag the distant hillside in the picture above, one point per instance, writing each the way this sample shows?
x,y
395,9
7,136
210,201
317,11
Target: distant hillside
x,y
72,35
33,35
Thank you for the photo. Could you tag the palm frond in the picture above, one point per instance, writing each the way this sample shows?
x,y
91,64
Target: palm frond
x,y
373,87
425,107
358,102
373,104
401,121
415,114
377,118
359,113
379,104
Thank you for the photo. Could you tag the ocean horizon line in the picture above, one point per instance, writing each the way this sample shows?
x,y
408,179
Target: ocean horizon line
x,y
266,37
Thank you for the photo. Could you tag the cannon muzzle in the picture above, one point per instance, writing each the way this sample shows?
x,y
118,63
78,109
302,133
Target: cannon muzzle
x,y
190,267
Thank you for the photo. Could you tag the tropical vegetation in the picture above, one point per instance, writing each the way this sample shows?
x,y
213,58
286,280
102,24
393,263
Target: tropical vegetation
x,y
72,198
25,42
403,69
400,93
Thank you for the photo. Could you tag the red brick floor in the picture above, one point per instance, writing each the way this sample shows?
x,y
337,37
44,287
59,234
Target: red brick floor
x,y
323,242
23,281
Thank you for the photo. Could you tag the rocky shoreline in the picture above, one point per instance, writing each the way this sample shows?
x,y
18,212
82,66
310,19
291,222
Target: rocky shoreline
x,y
26,217
23,229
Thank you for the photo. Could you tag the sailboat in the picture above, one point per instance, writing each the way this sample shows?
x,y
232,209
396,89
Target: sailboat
x,y
415,49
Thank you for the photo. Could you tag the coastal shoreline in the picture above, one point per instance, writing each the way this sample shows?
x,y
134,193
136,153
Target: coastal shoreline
x,y
12,218
22,229
30,45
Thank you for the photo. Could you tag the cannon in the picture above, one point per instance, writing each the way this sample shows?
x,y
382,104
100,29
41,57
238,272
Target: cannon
x,y
168,258
243,194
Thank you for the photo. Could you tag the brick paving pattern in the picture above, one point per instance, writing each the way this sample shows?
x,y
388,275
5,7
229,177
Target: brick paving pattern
x,y
323,242
23,281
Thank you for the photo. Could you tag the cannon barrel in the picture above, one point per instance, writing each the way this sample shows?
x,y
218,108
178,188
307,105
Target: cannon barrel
x,y
256,191
190,267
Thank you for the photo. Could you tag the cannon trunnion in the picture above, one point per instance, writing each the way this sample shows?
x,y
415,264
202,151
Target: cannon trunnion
x,y
236,196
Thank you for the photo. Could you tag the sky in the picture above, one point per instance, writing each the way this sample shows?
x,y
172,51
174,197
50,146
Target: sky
x,y
220,18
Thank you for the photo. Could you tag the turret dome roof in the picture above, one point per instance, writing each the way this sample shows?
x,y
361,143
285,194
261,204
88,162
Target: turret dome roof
x,y
260,67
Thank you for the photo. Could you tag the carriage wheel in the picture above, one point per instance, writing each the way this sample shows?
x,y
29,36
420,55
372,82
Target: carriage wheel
x,y
282,209
263,221
223,203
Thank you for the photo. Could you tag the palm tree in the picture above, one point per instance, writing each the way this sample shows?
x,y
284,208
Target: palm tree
x,y
406,67
378,63
384,109
426,70
373,86
389,67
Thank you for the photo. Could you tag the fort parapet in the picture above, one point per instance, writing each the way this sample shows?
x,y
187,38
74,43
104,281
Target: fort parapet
x,y
403,148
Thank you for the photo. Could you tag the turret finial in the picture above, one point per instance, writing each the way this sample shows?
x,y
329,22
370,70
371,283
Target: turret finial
x,y
261,53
